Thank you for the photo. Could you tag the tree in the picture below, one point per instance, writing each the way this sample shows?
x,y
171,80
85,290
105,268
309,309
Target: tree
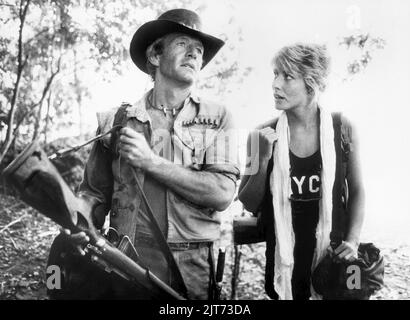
x,y
51,45
362,46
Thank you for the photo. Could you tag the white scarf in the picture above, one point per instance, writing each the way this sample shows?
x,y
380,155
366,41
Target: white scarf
x,y
281,190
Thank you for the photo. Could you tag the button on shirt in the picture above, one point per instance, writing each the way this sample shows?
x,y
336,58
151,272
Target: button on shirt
x,y
202,138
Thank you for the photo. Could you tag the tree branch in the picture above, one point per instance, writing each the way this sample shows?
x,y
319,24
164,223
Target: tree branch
x,y
20,68
30,111
47,116
36,35
3,70
13,222
7,5
45,90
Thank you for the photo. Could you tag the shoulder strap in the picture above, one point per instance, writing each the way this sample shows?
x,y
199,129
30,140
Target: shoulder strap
x,y
120,119
342,139
266,206
270,163
274,123
162,242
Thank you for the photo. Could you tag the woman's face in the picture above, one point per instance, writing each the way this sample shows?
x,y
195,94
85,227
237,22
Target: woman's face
x,y
289,91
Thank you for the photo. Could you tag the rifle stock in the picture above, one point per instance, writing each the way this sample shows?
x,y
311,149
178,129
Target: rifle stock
x,y
42,187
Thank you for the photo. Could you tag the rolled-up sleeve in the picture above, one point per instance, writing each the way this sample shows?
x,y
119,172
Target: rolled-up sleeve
x,y
97,183
222,154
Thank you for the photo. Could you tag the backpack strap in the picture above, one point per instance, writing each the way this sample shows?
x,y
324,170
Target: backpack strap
x,y
266,225
342,141
270,167
266,206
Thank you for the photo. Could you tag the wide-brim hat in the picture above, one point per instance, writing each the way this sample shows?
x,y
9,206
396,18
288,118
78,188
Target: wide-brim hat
x,y
176,20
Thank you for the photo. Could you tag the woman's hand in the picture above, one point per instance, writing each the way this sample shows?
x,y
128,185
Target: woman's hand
x,y
346,251
267,137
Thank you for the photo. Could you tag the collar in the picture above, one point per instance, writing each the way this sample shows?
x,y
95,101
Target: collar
x,y
194,97
139,109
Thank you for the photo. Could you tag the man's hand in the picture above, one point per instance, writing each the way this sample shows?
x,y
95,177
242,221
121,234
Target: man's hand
x,y
79,240
267,137
134,149
347,251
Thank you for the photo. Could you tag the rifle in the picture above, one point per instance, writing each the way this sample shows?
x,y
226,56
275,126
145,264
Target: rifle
x,y
42,187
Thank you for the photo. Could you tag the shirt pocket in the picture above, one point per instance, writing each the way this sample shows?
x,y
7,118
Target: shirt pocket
x,y
191,144
119,203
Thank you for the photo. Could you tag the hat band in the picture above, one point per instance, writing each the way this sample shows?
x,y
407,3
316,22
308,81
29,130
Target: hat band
x,y
192,26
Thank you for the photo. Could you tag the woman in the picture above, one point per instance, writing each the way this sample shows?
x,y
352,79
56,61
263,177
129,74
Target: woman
x,y
292,173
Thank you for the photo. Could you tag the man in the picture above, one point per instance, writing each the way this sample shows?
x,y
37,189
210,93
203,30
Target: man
x,y
178,146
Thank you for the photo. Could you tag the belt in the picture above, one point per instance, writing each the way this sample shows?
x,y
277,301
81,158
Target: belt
x,y
145,241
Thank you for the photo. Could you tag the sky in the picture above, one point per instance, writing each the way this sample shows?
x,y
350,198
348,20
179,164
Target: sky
x,y
376,100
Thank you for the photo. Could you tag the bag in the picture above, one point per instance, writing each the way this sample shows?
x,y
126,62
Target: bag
x,y
247,230
356,280
330,277
334,279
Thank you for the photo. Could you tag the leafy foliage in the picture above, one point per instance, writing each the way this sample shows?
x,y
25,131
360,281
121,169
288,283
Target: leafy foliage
x,y
363,47
61,42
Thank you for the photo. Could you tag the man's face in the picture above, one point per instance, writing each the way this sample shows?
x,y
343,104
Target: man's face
x,y
181,59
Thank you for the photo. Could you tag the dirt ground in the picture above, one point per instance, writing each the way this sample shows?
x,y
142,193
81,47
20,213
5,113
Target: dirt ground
x,y
24,247
26,236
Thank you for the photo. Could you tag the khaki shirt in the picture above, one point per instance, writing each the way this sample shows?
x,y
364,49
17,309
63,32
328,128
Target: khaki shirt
x,y
203,139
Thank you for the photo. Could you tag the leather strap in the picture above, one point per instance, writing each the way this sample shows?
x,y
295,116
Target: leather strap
x,y
120,119
162,242
338,214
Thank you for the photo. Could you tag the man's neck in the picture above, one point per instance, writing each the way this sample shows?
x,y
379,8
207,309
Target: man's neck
x,y
169,96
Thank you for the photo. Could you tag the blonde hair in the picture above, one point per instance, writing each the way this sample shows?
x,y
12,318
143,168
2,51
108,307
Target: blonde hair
x,y
309,61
